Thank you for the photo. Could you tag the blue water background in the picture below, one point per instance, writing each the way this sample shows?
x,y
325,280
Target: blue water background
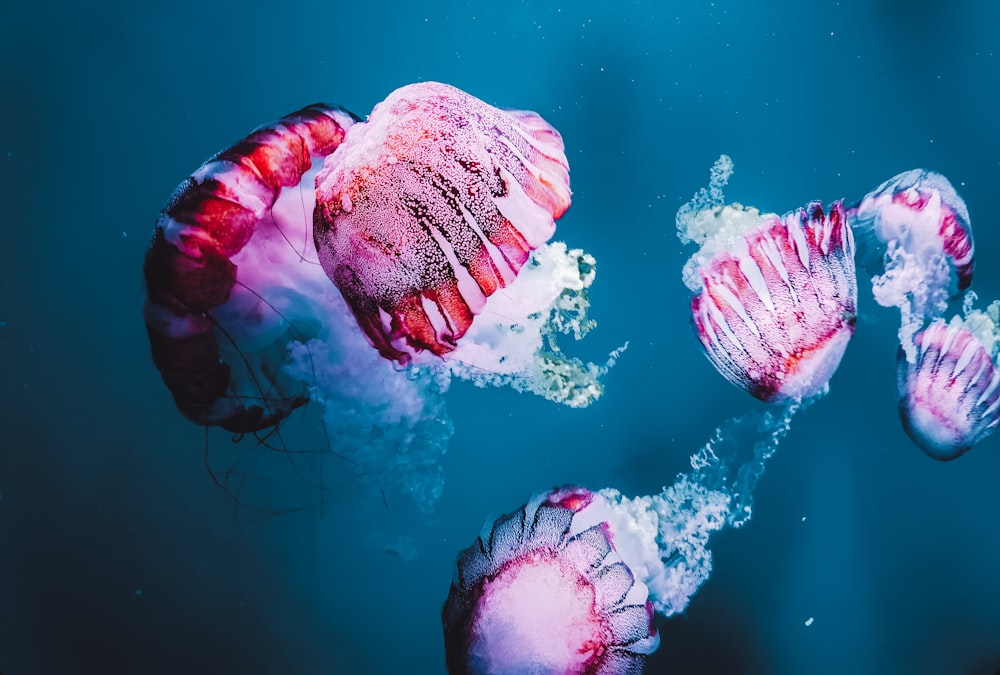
x,y
119,555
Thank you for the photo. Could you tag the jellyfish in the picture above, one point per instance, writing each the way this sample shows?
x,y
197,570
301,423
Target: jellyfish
x,y
569,583
915,239
362,266
204,281
545,590
949,396
429,208
774,307
775,297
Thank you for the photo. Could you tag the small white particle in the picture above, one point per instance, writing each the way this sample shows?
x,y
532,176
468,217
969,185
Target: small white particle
x,y
809,621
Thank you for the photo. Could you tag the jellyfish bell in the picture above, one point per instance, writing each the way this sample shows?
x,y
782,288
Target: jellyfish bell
x,y
776,308
949,397
544,590
231,279
430,207
246,328
775,297
915,239
569,583
433,219
920,212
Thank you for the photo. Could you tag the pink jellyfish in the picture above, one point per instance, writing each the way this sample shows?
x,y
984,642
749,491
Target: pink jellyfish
x,y
569,582
207,280
432,206
545,590
921,213
915,239
775,297
949,397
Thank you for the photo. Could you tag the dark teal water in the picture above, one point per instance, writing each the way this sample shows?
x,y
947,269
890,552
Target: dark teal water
x,y
118,554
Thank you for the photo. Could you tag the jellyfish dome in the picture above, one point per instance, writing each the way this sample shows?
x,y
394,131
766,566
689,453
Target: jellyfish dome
x,y
544,590
569,582
362,265
229,284
949,397
915,238
433,205
920,212
775,297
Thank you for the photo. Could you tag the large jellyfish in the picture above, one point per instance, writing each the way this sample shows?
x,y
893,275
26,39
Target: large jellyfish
x,y
279,264
569,582
775,297
208,290
949,395
915,239
430,207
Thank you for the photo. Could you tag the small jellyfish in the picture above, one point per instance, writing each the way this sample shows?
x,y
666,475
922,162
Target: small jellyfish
x,y
914,237
949,397
922,213
775,297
